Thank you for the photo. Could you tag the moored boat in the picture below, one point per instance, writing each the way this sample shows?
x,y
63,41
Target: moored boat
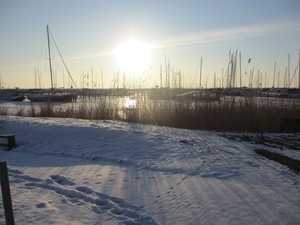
x,y
17,98
200,95
52,97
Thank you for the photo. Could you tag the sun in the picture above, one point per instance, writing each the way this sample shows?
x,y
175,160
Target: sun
x,y
133,55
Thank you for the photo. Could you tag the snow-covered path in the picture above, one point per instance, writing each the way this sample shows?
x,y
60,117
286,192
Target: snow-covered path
x,y
70,171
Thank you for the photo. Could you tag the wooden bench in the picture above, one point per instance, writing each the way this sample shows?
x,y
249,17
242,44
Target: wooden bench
x,y
11,141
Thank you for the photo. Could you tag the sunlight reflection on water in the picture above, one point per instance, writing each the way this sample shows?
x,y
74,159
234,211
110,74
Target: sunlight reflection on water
x,y
111,102
129,102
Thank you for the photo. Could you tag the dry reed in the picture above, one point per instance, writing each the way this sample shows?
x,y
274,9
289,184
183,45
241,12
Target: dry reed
x,y
245,114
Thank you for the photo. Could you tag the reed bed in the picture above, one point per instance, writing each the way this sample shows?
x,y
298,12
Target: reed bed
x,y
3,110
234,115
247,114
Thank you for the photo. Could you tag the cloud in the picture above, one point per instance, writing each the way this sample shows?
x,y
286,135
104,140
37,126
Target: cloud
x,y
234,33
92,55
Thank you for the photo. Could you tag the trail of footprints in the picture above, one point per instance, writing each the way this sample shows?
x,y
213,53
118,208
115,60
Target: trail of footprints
x,y
117,208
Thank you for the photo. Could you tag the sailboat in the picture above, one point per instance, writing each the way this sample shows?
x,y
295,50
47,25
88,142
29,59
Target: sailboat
x,y
52,96
17,97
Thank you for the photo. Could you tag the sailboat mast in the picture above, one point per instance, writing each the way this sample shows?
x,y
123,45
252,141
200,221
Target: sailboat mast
x,y
289,74
160,76
274,75
299,68
200,73
240,69
166,66
50,59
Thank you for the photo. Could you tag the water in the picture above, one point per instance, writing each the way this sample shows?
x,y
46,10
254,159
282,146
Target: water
x,y
114,102
26,106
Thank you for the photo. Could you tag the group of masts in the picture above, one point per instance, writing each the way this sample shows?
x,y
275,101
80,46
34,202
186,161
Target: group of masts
x,y
231,75
287,75
91,81
230,79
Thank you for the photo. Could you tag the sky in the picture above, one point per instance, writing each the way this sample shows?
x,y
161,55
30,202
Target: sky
x,y
163,34
112,172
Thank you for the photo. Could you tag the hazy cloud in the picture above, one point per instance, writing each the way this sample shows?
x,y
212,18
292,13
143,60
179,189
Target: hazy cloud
x,y
234,33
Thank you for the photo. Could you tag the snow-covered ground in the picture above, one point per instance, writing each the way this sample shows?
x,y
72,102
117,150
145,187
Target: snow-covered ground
x,y
71,171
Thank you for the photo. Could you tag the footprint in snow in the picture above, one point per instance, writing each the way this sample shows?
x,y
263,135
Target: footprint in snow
x,y
18,176
117,200
41,205
85,190
252,164
116,208
14,171
62,180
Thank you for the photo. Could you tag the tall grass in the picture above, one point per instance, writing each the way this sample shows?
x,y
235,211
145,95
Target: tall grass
x,y
233,115
3,110
244,114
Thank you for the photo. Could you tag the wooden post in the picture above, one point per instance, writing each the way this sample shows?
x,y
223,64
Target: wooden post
x,y
11,141
8,209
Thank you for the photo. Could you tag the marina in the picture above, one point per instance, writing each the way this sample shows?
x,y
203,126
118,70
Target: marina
x,y
148,93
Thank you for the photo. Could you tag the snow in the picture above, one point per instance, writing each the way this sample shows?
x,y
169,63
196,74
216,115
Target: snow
x,y
72,171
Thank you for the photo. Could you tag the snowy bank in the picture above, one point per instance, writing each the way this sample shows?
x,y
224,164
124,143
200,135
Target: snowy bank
x,y
71,171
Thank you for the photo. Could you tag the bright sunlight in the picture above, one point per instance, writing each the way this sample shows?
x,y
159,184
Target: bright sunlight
x,y
133,55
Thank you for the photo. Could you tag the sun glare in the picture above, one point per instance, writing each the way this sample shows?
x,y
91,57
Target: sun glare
x,y
133,55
